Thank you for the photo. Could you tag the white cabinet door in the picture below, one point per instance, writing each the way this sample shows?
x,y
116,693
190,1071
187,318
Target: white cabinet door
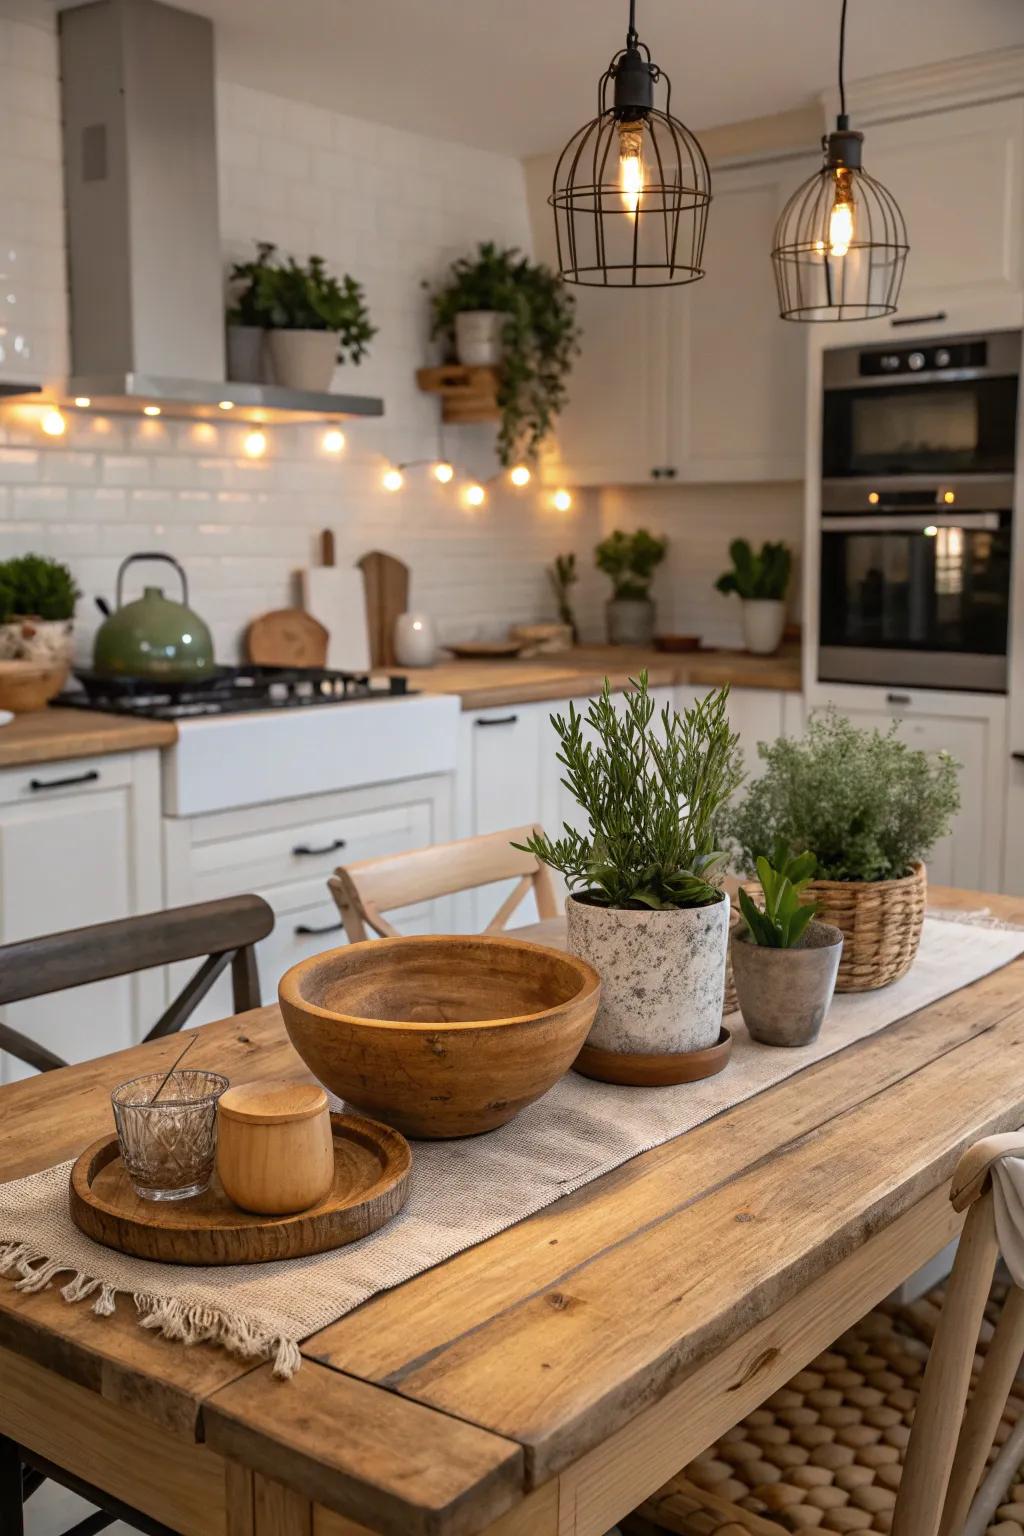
x,y
501,775
79,844
736,371
612,432
958,176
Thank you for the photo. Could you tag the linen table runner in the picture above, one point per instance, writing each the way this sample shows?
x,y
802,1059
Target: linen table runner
x,y
461,1191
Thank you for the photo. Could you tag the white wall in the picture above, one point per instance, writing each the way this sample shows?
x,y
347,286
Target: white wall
x,y
391,207
700,522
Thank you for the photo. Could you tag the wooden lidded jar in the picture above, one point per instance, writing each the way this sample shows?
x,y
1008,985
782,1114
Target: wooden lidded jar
x,y
275,1150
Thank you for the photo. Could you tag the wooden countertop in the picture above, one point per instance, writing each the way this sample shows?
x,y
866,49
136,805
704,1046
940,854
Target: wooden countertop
x,y
581,672
54,735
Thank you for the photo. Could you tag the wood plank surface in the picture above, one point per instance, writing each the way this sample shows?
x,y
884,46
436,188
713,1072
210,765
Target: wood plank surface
x,y
56,734
340,1441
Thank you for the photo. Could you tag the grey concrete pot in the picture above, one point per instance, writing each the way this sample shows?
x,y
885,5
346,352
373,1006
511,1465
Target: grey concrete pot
x,y
662,975
784,994
630,621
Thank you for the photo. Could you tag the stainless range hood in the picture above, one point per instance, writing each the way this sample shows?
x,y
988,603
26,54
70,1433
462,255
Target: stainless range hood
x,y
145,265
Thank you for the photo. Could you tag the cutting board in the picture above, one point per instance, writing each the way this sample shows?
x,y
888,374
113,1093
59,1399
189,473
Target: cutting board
x,y
286,638
387,597
336,596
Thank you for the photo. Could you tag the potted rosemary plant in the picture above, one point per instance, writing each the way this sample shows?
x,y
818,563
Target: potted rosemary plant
x,y
761,581
630,560
784,963
872,808
646,908
500,310
37,607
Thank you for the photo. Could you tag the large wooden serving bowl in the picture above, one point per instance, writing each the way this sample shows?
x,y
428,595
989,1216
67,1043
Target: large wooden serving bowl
x,y
440,1036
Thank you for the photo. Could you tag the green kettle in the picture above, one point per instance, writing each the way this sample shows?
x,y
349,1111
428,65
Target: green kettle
x,y
154,636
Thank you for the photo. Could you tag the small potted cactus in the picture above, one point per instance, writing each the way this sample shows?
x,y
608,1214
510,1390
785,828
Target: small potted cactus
x,y
784,962
761,580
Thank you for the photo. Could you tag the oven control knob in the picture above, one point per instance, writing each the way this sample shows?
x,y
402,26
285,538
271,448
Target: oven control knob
x,y
915,361
942,358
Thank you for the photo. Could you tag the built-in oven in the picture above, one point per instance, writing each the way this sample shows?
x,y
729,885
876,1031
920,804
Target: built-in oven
x,y
933,408
915,585
918,460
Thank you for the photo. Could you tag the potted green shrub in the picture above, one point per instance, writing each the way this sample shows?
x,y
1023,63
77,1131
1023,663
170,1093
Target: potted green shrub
x,y
761,581
630,560
37,609
246,322
498,309
646,908
313,321
784,963
872,808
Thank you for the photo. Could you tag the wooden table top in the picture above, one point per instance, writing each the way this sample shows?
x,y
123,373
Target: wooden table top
x,y
439,1405
54,735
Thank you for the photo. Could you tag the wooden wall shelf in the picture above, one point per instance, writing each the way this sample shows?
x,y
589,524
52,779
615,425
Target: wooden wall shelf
x,y
467,394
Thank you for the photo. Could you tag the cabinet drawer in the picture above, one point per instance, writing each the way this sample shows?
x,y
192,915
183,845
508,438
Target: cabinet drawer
x,y
80,776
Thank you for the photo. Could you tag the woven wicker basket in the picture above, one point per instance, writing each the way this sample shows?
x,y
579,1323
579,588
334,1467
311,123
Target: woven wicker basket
x,y
880,921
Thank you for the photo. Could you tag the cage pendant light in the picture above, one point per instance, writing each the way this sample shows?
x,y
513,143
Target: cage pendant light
x,y
632,187
841,241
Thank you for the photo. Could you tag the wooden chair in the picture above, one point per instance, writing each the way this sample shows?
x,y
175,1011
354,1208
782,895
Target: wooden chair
x,y
365,891
222,931
869,1383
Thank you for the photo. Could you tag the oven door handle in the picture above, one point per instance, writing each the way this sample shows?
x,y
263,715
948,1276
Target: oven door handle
x,y
910,522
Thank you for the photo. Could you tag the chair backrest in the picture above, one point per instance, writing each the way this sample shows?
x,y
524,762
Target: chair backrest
x,y
224,931
944,1490
365,891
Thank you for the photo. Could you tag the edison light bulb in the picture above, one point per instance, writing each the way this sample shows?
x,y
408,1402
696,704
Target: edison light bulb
x,y
631,164
475,495
392,479
443,472
840,220
520,475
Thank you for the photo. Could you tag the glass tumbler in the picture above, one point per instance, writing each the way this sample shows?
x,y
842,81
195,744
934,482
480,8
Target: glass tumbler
x,y
168,1147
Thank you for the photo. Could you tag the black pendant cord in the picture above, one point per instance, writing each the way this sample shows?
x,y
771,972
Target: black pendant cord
x,y
843,119
631,33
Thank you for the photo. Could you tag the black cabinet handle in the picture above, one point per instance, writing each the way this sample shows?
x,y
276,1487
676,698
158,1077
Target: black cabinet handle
x,y
75,778
499,720
670,472
1018,757
303,851
656,474
304,928
898,698
940,314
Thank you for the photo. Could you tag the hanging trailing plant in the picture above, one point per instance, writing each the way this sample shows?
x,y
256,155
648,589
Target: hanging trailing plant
x,y
540,338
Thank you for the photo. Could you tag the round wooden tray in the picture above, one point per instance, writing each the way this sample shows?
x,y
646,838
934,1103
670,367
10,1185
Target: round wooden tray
x,y
371,1181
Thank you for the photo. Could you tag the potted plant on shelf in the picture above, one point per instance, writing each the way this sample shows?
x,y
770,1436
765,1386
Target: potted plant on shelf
x,y
646,909
563,576
246,321
37,609
761,581
630,559
872,808
498,309
784,962
313,321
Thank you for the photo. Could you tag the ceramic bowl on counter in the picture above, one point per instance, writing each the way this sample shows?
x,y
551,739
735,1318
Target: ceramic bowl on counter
x,y
440,1036
30,685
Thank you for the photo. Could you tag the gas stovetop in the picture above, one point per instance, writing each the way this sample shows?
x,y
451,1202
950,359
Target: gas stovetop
x,y
227,691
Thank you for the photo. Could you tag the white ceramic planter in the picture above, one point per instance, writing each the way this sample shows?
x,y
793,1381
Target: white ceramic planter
x,y
48,641
478,342
415,640
662,975
303,359
764,619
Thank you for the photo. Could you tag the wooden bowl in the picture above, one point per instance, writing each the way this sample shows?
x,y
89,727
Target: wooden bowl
x,y
440,1036
29,685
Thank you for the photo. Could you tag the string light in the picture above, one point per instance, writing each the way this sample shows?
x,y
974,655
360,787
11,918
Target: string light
x,y
520,475
333,440
53,424
392,479
562,500
443,472
255,444
475,495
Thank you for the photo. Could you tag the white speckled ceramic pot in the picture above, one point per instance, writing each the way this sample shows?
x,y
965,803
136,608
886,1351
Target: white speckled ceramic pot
x,y
662,975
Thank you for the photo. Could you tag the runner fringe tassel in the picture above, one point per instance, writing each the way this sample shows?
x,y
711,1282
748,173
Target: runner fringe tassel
x,y
173,1319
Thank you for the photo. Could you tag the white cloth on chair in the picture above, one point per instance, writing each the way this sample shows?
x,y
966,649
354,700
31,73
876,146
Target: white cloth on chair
x,y
1008,1199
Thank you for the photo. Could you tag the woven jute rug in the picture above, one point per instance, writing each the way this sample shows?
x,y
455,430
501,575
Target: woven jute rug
x,y
825,1453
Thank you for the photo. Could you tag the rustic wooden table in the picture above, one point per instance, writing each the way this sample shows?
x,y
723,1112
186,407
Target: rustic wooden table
x,y
548,1380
